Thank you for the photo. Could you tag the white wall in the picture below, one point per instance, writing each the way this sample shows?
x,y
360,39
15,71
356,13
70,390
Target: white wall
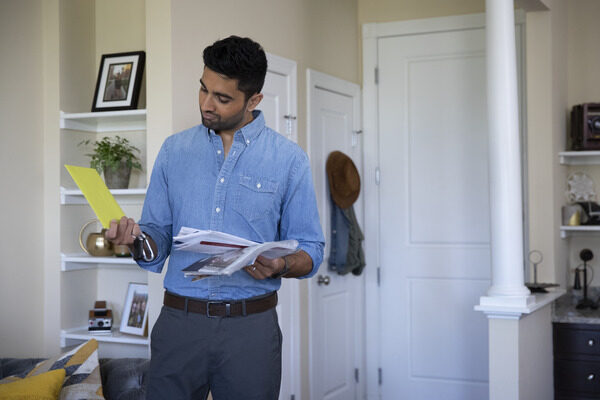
x,y
21,179
583,87
546,120
318,34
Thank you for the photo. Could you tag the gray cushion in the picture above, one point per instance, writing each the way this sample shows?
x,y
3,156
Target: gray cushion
x,y
122,378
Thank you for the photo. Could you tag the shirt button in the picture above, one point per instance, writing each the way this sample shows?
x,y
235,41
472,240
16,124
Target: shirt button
x,y
258,185
248,141
218,151
222,180
218,209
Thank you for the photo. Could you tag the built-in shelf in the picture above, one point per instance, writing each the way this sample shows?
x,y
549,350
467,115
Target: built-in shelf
x,y
107,121
566,230
579,157
123,196
115,336
78,261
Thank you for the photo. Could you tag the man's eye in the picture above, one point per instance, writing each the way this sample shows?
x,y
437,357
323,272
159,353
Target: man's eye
x,y
203,89
223,100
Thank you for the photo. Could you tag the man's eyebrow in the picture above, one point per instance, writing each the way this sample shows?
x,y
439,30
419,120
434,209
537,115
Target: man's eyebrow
x,y
217,93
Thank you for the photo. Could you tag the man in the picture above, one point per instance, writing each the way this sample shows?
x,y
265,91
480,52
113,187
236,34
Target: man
x,y
231,174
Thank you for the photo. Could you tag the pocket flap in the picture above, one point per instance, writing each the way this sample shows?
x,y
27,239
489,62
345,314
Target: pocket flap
x,y
258,184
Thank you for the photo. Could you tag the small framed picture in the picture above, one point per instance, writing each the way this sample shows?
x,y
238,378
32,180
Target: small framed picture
x,y
135,310
119,81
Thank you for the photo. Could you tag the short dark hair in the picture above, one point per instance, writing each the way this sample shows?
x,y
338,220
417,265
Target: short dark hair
x,y
238,58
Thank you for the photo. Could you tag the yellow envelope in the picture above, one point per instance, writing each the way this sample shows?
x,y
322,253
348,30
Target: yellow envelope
x,y
96,193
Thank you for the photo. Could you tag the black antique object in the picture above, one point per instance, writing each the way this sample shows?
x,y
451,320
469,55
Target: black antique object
x,y
585,127
585,255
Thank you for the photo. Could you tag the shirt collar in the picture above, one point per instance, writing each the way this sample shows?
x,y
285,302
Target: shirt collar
x,y
250,131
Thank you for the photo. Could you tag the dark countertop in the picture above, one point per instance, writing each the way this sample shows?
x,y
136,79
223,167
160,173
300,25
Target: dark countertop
x,y
563,309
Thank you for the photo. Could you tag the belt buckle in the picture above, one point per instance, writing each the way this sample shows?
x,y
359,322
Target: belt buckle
x,y
227,309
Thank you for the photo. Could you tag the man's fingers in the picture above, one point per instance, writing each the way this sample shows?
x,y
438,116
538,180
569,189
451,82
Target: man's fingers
x,y
122,231
256,271
136,230
111,233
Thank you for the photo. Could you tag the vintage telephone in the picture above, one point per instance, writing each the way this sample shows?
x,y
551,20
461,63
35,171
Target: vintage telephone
x,y
591,213
585,255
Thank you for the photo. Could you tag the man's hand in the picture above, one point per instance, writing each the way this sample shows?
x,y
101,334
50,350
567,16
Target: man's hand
x,y
264,268
123,231
299,264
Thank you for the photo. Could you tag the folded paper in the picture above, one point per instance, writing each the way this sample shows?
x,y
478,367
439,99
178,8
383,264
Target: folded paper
x,y
96,193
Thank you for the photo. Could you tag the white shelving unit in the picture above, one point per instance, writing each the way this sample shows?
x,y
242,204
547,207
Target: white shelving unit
x,y
77,261
101,122
579,157
115,336
107,121
566,231
123,196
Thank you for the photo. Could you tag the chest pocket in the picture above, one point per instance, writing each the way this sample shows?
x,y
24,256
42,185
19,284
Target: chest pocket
x,y
255,198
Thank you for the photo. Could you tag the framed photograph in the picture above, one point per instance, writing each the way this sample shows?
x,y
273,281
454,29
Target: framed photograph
x,y
135,310
119,81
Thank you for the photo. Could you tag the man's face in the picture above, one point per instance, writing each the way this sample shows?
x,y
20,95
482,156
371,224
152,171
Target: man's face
x,y
222,105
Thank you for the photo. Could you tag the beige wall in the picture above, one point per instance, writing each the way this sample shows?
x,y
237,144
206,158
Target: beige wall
x,y
120,26
394,10
546,110
21,163
322,35
584,87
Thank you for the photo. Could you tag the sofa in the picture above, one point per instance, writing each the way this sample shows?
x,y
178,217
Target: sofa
x,y
122,378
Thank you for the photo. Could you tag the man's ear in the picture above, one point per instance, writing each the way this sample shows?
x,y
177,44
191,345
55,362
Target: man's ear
x,y
254,101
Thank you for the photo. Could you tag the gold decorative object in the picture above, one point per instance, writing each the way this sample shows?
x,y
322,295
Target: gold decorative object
x,y
95,244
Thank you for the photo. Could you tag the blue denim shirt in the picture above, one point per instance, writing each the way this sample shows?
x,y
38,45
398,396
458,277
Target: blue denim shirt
x,y
262,191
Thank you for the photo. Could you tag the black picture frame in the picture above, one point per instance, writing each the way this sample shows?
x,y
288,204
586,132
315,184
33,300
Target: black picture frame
x,y
119,81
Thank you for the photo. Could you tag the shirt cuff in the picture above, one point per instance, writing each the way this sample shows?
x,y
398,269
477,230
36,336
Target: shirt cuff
x,y
315,251
157,264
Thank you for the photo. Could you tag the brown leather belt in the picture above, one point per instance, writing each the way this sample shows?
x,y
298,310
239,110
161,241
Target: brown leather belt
x,y
234,308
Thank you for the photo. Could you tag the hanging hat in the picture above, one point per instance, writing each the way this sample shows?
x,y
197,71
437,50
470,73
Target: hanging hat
x,y
344,181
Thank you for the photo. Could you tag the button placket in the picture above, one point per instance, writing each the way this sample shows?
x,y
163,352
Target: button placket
x,y
220,188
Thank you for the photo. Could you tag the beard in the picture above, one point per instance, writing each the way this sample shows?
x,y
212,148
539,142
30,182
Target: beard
x,y
217,124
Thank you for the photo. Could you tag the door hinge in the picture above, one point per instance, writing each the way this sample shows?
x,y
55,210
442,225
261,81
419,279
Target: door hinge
x,y
377,176
377,75
356,374
380,378
378,276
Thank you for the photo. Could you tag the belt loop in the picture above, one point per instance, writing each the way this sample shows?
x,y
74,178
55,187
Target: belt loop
x,y
244,307
185,307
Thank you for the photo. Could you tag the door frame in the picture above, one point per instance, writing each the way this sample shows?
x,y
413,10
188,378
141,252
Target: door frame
x,y
370,35
289,68
283,66
319,80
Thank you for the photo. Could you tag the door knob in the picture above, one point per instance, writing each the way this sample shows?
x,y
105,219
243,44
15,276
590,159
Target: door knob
x,y
323,280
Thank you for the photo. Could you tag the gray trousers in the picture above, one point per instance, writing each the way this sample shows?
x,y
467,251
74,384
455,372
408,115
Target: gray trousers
x,y
235,358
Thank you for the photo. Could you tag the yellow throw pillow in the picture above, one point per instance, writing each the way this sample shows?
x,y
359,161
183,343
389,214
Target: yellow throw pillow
x,y
82,372
44,386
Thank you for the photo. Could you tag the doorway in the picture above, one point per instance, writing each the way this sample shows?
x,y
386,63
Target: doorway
x,y
427,227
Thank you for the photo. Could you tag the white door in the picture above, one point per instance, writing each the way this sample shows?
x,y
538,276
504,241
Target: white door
x,y
279,109
435,257
335,301
433,215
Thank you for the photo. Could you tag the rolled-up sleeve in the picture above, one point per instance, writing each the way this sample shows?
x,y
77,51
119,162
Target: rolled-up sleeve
x,y
157,218
300,215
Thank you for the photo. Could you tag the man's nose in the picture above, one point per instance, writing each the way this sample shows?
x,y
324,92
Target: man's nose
x,y
207,103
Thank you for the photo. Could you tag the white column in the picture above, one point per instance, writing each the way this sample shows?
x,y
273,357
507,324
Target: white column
x,y
505,154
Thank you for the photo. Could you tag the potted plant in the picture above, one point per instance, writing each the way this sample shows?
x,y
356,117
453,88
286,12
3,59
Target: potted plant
x,y
116,157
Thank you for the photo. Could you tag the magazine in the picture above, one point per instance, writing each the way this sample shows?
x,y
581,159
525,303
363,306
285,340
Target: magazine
x,y
228,253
